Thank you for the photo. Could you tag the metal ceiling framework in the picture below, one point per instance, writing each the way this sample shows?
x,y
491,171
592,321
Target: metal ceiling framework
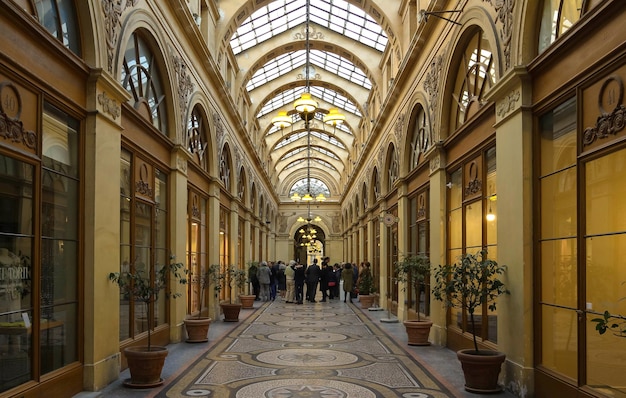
x,y
271,29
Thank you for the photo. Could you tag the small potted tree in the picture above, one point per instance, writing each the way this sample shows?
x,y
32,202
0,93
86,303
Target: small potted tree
x,y
237,281
146,362
468,284
413,271
247,300
197,326
366,287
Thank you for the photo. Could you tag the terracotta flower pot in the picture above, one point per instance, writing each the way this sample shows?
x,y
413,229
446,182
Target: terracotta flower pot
x,y
231,312
366,300
145,366
247,301
417,331
197,329
481,370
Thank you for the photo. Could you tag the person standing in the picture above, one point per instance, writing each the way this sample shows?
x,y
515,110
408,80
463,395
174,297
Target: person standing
x,y
256,287
298,279
264,274
355,278
312,275
348,281
290,285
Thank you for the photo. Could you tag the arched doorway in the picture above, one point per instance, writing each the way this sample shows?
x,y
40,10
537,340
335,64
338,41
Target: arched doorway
x,y
309,242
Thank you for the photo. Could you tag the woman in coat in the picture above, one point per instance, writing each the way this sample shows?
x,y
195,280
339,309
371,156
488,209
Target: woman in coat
x,y
348,281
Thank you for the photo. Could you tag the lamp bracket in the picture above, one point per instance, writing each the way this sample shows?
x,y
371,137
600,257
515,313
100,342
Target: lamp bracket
x,y
423,15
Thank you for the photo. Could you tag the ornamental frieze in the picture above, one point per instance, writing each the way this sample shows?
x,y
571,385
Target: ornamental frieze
x,y
610,122
109,105
11,126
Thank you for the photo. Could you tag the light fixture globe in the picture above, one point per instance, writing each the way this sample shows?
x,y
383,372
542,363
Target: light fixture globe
x,y
281,120
334,117
307,197
320,197
305,104
295,197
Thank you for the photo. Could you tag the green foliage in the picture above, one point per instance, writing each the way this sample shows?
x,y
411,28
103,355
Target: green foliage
x,y
366,282
138,284
611,322
413,271
215,277
238,277
615,323
470,283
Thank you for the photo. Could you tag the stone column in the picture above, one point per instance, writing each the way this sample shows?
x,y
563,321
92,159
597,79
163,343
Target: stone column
x,y
102,227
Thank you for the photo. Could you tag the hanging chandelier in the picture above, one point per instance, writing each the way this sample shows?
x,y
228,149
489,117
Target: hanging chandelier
x,y
306,107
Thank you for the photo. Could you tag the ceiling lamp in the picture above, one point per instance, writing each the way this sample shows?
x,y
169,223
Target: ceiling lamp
x,y
305,105
320,197
295,197
282,120
307,197
334,117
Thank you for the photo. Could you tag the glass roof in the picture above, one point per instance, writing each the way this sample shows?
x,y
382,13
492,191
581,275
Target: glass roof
x,y
317,187
327,150
282,15
328,61
287,97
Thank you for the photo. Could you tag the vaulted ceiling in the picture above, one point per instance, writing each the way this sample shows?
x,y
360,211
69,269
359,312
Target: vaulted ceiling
x,y
346,46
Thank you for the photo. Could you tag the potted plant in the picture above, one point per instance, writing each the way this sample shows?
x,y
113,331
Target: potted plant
x,y
366,287
247,300
413,271
146,362
237,280
197,326
467,285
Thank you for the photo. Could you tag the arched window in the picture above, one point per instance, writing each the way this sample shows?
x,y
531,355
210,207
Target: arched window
x,y
59,18
141,77
225,168
196,137
475,76
420,139
557,18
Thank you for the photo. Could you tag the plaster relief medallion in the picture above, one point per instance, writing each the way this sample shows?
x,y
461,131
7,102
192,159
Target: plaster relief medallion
x,y
10,101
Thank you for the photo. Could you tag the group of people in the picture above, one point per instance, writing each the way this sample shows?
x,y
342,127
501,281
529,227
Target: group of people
x,y
296,282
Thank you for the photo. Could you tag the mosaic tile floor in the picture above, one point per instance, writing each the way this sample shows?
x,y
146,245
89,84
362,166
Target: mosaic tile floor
x,y
325,350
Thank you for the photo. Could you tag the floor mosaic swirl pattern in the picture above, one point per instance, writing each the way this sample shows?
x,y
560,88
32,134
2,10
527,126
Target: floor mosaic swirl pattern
x,y
322,350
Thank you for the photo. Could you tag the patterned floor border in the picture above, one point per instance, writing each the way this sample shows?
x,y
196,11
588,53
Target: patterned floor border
x,y
314,350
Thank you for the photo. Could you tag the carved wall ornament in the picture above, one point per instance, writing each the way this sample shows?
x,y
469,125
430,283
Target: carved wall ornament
x,y
421,207
435,163
185,86
314,34
474,185
181,164
142,186
109,105
399,127
219,129
608,123
431,81
504,9
508,104
11,127
112,10
195,209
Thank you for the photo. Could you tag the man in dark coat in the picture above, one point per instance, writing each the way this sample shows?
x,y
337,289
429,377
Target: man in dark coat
x,y
298,280
312,274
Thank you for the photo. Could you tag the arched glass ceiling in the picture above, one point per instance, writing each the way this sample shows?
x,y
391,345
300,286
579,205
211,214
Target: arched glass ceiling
x,y
282,15
295,119
317,134
330,62
321,162
317,187
314,148
287,97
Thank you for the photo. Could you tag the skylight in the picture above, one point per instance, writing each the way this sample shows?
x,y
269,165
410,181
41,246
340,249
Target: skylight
x,y
282,15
